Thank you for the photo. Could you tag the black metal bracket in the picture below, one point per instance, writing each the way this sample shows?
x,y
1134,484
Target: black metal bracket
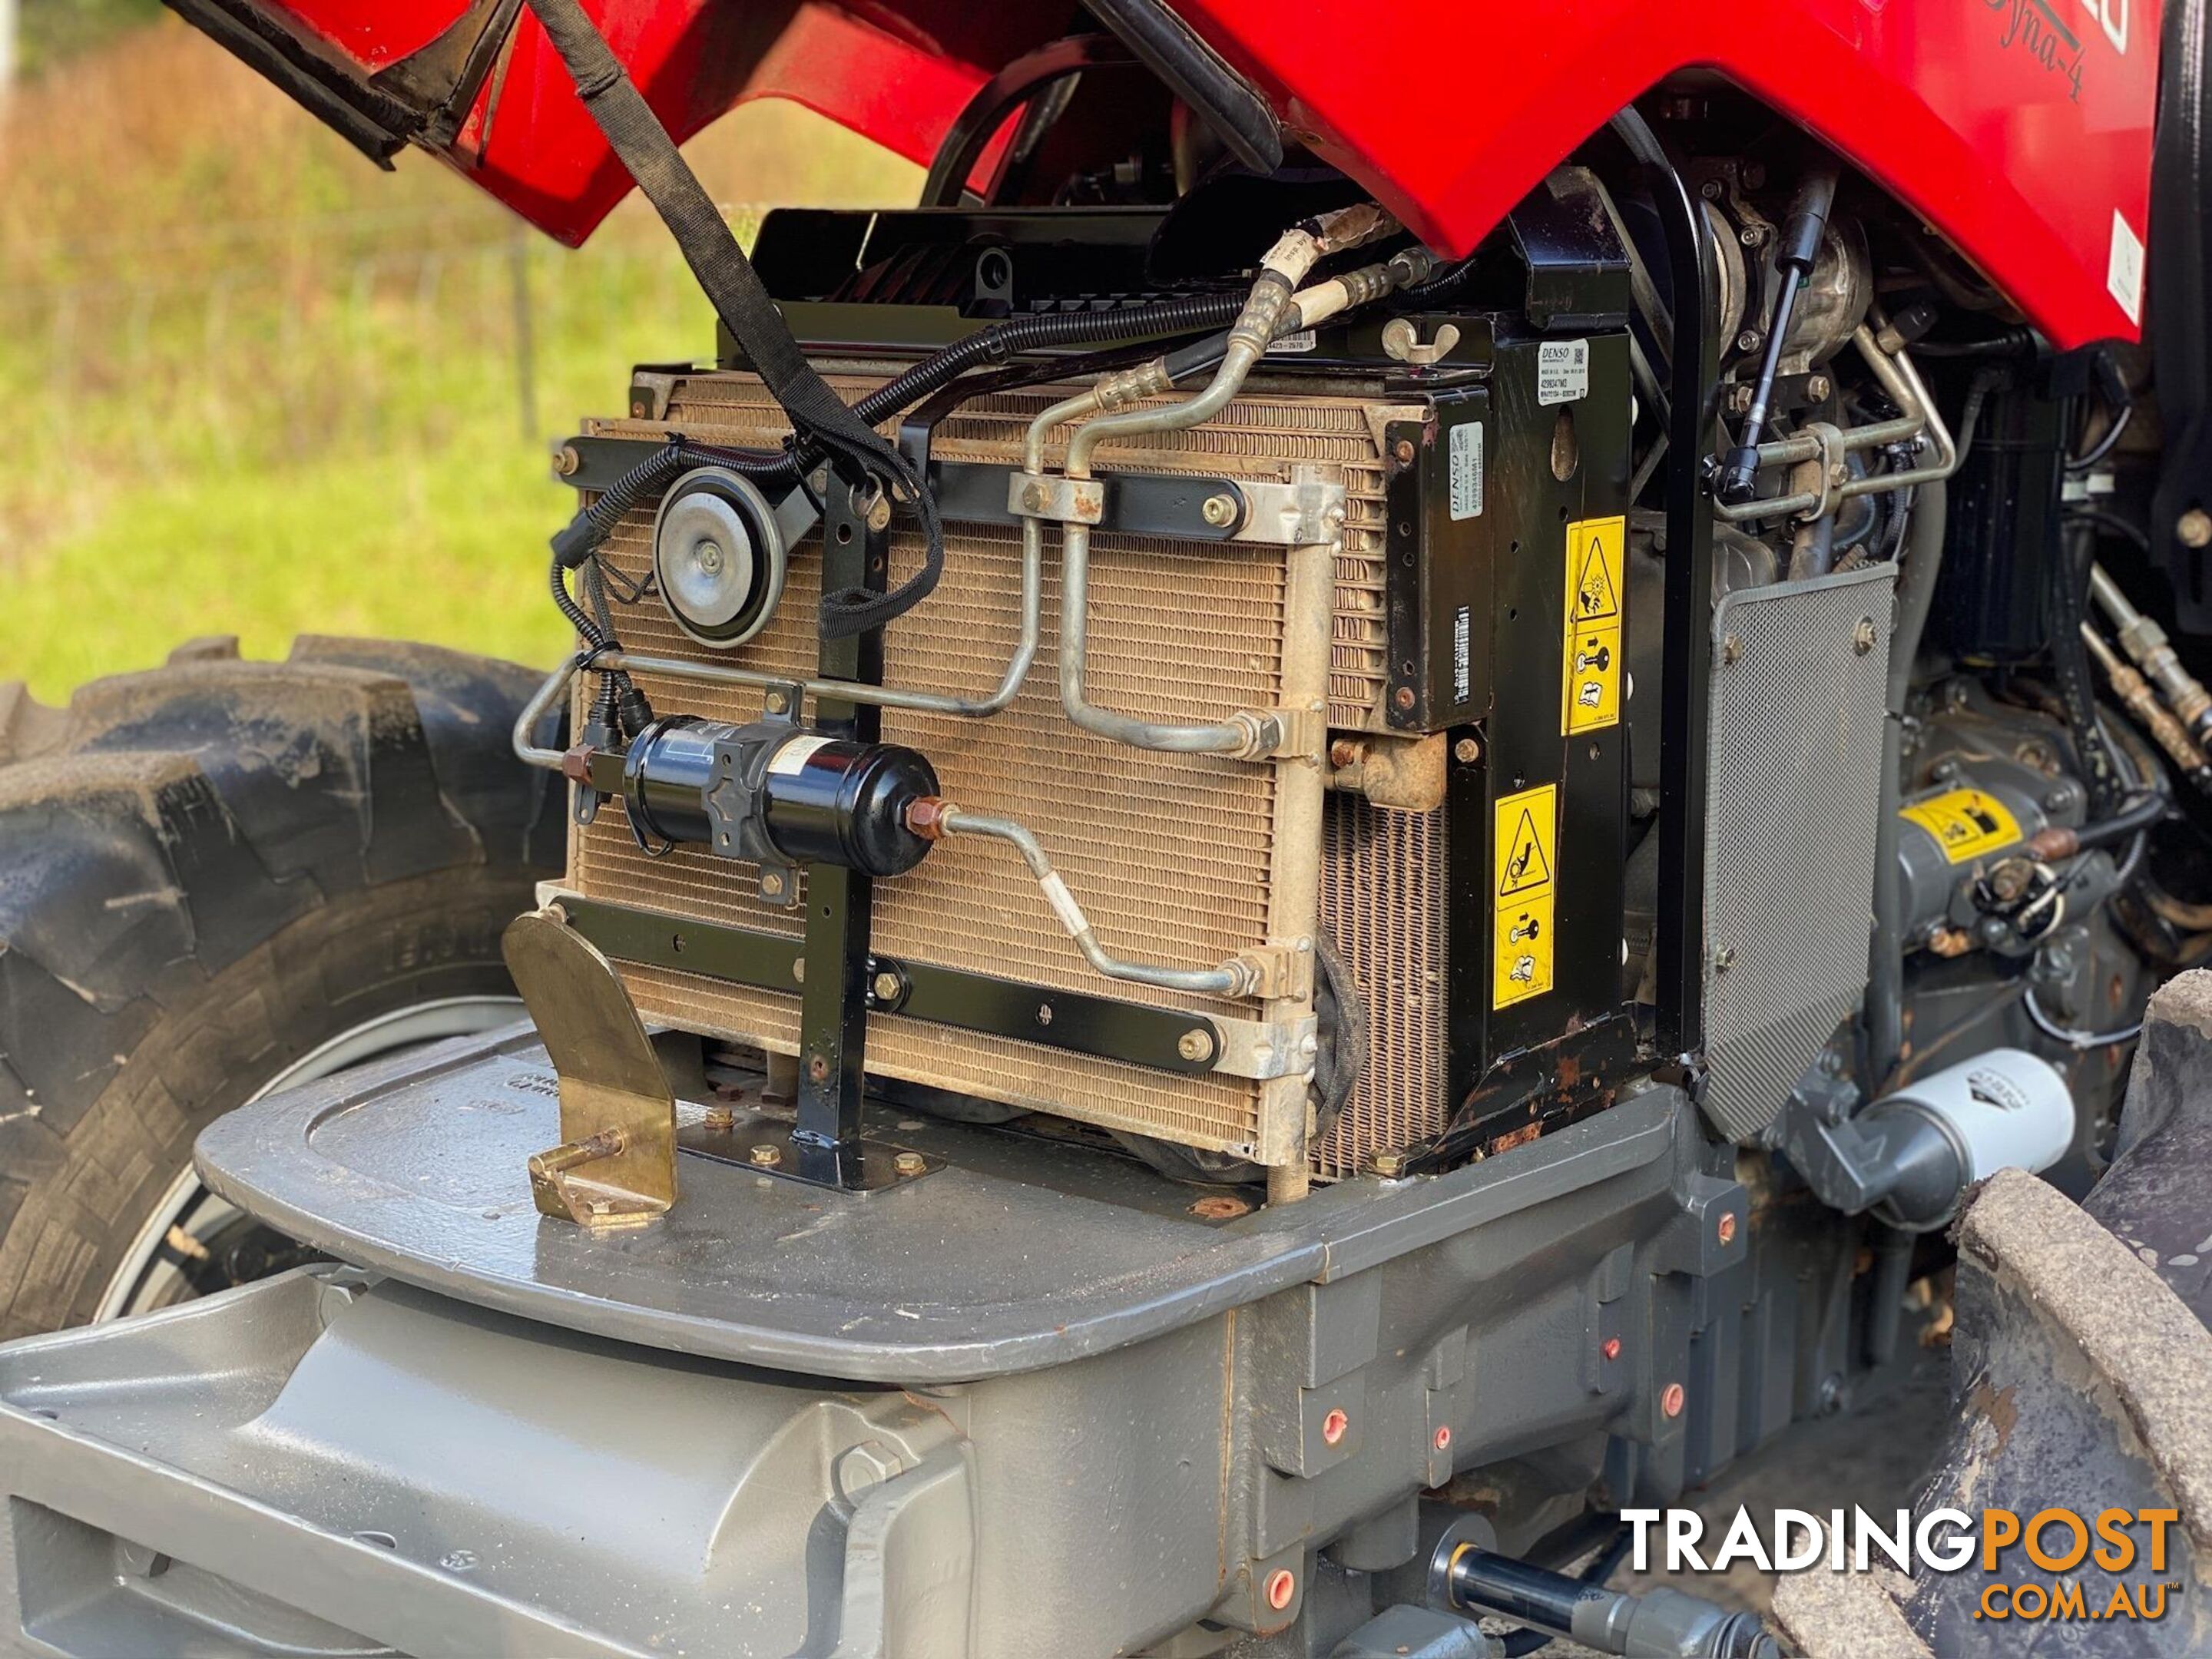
x,y
1686,694
1171,506
1072,1021
833,1004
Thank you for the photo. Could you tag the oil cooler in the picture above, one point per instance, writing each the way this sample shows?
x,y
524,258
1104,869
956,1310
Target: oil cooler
x,y
1463,649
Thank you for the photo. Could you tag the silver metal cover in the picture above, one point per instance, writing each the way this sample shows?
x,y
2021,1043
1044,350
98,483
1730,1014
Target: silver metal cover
x,y
1793,804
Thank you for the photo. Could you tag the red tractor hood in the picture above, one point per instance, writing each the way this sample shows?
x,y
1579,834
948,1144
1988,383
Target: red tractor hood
x,y
2020,129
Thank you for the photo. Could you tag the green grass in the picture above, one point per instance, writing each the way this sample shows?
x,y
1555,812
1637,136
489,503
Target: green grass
x,y
257,387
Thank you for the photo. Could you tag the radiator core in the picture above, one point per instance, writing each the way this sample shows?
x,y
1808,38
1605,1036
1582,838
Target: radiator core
x,y
1178,858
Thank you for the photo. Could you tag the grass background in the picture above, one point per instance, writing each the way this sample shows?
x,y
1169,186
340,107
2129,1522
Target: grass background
x,y
256,386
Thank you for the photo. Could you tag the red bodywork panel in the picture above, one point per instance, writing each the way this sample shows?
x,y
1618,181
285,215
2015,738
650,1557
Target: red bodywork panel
x,y
2020,129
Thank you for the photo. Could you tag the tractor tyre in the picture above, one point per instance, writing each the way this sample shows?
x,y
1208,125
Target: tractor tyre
x,y
219,877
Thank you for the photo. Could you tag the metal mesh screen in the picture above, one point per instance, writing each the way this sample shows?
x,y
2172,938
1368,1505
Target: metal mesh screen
x,y
1381,902
1792,807
1173,855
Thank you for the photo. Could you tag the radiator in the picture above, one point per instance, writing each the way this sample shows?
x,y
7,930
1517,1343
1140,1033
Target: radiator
x,y
1181,860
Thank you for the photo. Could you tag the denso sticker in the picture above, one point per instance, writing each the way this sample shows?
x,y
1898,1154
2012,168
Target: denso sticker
x,y
1562,371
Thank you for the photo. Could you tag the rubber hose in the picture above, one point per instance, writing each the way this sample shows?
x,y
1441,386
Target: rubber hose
x,y
1916,594
2129,820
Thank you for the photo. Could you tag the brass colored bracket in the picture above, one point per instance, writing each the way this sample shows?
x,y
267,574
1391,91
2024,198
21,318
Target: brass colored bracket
x,y
616,1166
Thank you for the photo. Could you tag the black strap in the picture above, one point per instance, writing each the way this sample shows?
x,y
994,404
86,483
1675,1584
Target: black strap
x,y
858,452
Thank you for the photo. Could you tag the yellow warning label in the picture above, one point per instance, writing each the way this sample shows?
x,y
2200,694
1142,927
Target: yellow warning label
x,y
1965,823
1526,829
1591,660
1593,666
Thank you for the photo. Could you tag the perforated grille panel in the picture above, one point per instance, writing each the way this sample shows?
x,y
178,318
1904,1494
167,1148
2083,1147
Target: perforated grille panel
x,y
1173,856
1792,812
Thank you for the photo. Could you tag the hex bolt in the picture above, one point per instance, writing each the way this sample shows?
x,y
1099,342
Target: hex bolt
x,y
1282,1585
1670,1401
1196,1044
772,702
567,461
1033,498
1388,1165
721,1117
887,987
1738,399
771,882
1724,1230
765,1157
1817,388
909,1164
1748,340
1467,751
2194,527
1220,511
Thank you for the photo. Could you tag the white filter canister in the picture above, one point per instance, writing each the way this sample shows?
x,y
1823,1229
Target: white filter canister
x,y
2003,1110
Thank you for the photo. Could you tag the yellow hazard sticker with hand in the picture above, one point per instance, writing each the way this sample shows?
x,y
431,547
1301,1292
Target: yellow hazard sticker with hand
x,y
1965,823
1526,836
1590,666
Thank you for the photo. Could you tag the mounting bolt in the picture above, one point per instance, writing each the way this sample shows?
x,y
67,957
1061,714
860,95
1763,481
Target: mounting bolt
x,y
772,885
910,1163
1033,498
765,1157
1748,340
1723,959
1388,1165
879,515
1282,1585
1334,1426
772,702
1817,388
2194,527
1044,1014
567,461
1402,699
1220,511
1710,189
1467,751
887,987
1670,1401
1864,636
1752,235
710,558
1731,648
719,1117
1196,1044
1402,451
1738,399
1724,1230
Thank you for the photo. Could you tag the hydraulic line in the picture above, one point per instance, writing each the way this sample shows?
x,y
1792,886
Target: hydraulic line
x,y
2147,647
1885,1001
932,818
2136,696
2080,1041
1274,304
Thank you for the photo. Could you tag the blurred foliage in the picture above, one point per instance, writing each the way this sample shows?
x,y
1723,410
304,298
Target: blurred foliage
x,y
49,31
256,386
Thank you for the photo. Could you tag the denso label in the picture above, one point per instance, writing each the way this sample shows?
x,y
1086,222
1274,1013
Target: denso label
x,y
1562,371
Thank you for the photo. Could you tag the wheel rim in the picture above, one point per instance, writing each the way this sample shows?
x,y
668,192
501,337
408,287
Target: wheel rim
x,y
194,1242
